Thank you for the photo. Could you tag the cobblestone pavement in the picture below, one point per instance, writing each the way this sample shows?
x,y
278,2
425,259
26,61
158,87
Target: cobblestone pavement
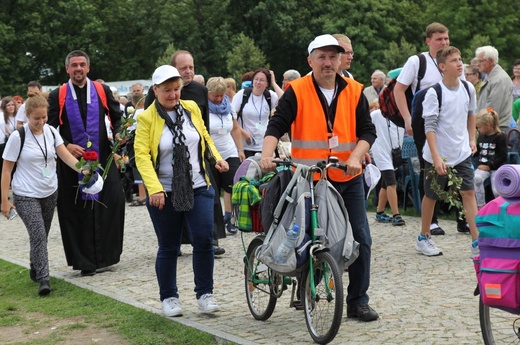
x,y
420,300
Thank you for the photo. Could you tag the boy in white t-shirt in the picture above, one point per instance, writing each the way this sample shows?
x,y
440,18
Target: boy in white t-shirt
x,y
450,141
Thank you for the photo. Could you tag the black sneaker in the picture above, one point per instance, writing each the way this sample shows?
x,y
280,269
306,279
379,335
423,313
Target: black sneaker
x,y
462,227
218,250
45,288
362,312
436,230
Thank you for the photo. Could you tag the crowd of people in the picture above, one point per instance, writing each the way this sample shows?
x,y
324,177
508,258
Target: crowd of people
x,y
191,135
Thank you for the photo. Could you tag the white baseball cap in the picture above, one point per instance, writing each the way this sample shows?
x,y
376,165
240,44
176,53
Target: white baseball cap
x,y
163,73
325,41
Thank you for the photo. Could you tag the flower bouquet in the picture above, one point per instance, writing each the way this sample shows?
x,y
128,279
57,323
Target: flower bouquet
x,y
90,183
126,134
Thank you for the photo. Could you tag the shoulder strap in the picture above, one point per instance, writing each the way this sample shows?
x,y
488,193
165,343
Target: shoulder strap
x,y
422,70
62,94
21,131
267,96
103,96
245,98
465,83
438,90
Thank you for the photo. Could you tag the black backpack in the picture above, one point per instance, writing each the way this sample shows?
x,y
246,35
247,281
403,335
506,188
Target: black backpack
x,y
387,104
245,98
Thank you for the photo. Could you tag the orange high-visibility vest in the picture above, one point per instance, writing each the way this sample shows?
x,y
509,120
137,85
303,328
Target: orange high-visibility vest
x,y
310,135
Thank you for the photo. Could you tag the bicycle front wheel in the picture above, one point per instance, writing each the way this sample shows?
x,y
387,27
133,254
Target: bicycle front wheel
x,y
258,283
324,309
498,326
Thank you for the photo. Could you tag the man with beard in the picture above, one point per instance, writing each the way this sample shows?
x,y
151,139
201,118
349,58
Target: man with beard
x,y
91,227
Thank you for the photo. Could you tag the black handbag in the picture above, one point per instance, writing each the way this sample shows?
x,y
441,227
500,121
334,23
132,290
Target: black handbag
x,y
397,153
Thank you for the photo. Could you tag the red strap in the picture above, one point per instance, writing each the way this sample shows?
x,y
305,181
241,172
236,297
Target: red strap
x,y
103,96
62,93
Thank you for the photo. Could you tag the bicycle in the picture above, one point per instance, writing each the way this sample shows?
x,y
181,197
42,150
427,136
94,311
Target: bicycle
x,y
321,286
498,326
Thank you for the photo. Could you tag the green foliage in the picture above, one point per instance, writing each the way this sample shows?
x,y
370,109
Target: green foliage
x,y
245,56
166,57
19,298
450,194
126,38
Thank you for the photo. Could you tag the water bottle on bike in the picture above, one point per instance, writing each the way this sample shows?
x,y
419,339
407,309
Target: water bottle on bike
x,y
288,244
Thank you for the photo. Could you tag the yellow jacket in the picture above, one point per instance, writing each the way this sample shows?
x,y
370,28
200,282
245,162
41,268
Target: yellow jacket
x,y
148,135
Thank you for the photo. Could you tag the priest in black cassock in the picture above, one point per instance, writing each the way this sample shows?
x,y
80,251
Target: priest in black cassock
x,y
91,226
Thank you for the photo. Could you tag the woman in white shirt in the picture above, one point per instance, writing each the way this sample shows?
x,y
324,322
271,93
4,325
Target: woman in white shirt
x,y
35,182
256,112
7,125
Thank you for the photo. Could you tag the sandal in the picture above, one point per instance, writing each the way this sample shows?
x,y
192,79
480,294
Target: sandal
x,y
138,203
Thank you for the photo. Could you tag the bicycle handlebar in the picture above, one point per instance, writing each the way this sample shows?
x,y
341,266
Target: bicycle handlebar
x,y
333,162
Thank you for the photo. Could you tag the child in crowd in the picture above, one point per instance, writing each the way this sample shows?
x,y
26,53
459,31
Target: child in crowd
x,y
491,152
450,142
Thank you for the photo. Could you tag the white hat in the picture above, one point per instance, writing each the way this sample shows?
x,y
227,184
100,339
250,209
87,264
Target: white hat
x,y
372,176
325,41
163,73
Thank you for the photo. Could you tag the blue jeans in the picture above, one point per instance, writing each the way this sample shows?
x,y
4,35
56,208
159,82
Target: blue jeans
x,y
168,228
359,272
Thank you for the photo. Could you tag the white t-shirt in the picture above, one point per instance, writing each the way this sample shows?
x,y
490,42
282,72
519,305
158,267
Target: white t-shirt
x,y
11,126
20,115
452,122
388,136
35,176
166,154
255,117
432,75
220,127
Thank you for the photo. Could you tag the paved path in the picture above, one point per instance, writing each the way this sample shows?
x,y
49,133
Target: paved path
x,y
420,300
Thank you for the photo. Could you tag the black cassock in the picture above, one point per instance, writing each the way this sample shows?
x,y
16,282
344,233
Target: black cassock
x,y
91,231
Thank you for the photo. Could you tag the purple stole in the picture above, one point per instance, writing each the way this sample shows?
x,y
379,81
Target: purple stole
x,y
80,134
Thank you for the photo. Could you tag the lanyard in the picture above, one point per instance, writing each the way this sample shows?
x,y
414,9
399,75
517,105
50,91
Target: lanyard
x,y
259,111
435,62
44,143
328,108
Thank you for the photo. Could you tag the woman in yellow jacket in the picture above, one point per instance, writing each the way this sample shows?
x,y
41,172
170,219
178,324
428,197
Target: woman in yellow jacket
x,y
170,144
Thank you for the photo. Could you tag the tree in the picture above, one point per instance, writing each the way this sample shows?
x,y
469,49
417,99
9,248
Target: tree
x,y
245,56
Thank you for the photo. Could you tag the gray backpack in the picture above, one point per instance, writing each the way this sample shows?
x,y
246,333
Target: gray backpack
x,y
334,219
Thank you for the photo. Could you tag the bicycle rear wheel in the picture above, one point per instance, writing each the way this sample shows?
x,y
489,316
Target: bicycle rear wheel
x,y
498,326
258,283
324,311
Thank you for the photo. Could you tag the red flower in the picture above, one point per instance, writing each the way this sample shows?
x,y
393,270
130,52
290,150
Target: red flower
x,y
90,156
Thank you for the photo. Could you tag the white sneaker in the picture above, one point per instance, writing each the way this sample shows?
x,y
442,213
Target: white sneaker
x,y
207,304
427,247
172,307
474,249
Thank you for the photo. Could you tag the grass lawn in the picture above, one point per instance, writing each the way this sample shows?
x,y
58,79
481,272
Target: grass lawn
x,y
72,315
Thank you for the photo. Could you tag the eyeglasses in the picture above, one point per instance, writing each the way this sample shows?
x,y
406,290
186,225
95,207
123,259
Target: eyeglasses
x,y
482,60
466,74
351,54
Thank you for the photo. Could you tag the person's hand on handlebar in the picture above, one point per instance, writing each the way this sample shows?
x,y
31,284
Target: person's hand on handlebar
x,y
353,164
266,164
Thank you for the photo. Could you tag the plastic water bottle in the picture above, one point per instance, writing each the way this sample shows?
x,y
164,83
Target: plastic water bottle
x,y
288,244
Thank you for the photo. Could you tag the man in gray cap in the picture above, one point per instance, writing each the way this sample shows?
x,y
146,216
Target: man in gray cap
x,y
330,114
